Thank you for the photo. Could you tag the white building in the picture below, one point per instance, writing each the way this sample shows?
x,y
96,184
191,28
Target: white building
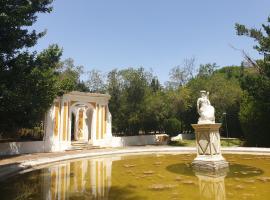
x,y
78,116
75,120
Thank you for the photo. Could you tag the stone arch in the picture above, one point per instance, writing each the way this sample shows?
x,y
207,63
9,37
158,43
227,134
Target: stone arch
x,y
88,128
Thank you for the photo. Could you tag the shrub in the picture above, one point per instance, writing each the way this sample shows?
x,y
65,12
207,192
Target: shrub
x,y
172,126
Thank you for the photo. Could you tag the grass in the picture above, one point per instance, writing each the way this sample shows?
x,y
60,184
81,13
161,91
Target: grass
x,y
183,143
230,142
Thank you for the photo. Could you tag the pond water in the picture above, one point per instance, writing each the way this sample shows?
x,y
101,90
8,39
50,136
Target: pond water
x,y
153,176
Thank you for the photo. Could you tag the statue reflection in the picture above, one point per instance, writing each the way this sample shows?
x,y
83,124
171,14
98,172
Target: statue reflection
x,y
87,178
212,185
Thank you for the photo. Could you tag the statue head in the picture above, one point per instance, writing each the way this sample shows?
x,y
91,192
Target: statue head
x,y
203,93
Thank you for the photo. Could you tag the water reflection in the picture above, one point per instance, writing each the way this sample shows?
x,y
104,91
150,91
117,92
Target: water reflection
x,y
84,178
211,186
139,177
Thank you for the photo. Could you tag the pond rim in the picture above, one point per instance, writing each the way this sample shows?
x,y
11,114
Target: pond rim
x,y
34,164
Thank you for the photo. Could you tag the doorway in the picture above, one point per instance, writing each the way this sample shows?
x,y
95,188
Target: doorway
x,y
89,114
73,120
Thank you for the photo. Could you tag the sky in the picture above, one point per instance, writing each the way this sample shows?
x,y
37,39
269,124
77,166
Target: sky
x,y
156,34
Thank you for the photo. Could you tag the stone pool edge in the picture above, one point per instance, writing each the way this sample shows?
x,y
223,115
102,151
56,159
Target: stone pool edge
x,y
31,164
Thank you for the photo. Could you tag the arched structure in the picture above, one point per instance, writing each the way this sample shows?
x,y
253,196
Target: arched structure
x,y
78,116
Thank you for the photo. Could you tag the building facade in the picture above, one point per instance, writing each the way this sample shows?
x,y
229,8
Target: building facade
x,y
78,116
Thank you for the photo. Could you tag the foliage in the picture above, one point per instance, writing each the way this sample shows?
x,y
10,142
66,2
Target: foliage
x,y
255,107
27,89
207,69
139,104
225,96
172,126
135,83
15,17
29,82
181,74
96,82
68,77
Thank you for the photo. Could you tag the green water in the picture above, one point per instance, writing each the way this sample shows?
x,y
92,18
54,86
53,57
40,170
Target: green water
x,y
155,176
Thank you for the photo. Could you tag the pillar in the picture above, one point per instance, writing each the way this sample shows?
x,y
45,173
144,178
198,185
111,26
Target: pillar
x,y
209,156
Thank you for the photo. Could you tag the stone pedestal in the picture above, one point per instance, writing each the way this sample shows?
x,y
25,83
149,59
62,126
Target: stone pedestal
x,y
209,156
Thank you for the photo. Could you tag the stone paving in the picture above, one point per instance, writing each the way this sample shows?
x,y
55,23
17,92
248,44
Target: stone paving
x,y
10,165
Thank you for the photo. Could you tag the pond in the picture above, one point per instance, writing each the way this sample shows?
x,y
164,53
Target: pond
x,y
151,176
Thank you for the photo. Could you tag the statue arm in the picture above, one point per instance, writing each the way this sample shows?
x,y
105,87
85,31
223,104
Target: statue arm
x,y
198,105
208,101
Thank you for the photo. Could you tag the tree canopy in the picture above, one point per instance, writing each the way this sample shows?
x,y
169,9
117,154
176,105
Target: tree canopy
x,y
29,81
255,108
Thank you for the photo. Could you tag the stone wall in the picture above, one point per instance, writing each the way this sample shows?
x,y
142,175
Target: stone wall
x,y
13,148
138,140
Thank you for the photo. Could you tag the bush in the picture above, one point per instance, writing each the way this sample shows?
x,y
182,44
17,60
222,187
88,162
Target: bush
x,y
172,126
254,118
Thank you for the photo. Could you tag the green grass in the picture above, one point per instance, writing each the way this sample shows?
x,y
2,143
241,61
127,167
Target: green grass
x,y
230,142
183,143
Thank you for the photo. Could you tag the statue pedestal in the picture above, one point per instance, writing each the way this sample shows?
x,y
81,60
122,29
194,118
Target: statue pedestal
x,y
209,156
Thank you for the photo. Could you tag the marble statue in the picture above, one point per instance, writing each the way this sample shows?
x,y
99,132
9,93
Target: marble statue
x,y
209,157
205,110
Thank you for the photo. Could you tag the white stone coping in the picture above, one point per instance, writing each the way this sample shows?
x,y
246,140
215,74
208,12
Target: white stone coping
x,y
88,94
29,165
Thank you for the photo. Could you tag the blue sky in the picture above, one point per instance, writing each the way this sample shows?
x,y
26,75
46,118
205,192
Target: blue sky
x,y
157,34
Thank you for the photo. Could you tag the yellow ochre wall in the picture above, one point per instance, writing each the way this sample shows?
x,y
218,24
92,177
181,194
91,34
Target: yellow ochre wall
x,y
65,119
101,121
56,118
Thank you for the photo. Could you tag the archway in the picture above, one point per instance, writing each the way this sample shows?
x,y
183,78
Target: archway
x,y
81,121
73,121
89,122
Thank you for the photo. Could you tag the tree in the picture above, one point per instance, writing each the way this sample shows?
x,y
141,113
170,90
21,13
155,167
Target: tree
x,y
181,74
28,89
225,96
115,90
69,77
27,79
155,85
255,107
96,81
207,69
15,17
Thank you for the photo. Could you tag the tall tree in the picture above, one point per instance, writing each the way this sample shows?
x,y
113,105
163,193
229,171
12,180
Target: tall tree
x,y
181,74
69,77
26,79
96,81
15,17
207,69
115,90
255,108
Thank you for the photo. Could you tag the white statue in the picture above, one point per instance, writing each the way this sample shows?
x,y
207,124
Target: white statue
x,y
205,110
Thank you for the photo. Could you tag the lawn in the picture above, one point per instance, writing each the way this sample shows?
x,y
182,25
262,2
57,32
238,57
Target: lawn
x,y
225,142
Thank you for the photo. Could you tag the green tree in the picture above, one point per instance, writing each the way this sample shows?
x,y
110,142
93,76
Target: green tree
x,y
22,81
255,107
207,69
15,17
96,81
68,77
115,90
225,96
172,126
135,84
181,74
28,89
28,81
